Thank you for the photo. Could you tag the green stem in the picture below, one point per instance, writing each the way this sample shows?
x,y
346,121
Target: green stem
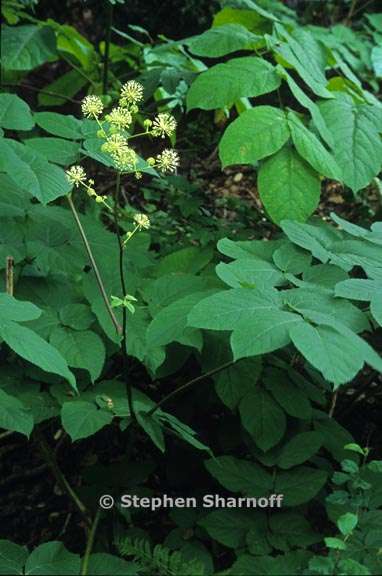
x,y
189,384
94,266
107,48
125,356
52,463
90,544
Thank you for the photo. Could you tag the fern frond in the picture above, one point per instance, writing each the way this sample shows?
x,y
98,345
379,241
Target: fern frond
x,y
159,560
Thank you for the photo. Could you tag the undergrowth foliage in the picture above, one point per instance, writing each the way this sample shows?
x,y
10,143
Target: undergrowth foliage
x,y
209,364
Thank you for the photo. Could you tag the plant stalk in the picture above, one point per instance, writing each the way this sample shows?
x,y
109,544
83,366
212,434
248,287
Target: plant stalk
x,y
9,281
61,479
189,384
125,356
90,543
106,60
94,266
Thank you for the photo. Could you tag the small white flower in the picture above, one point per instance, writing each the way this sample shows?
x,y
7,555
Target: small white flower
x,y
92,106
164,125
125,160
168,160
120,117
76,175
142,221
131,93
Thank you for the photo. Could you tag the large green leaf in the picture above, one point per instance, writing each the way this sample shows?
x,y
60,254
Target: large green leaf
x,y
307,56
171,323
31,172
357,143
250,272
311,149
55,150
299,449
17,310
263,418
68,85
14,416
291,398
222,40
239,475
52,558
229,527
225,310
81,349
81,419
300,485
235,382
223,84
33,348
62,125
15,114
329,351
255,134
288,187
12,558
26,47
268,330
101,564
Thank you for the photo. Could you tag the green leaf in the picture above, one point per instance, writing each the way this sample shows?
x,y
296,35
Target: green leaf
x,y
311,149
347,522
359,289
300,485
306,102
61,125
53,559
288,187
153,429
81,349
376,60
15,114
306,55
299,449
33,348
303,235
225,310
222,40
335,543
290,397
269,331
188,260
101,564
81,419
240,475
229,527
250,273
290,258
223,84
376,308
255,134
329,351
232,384
357,143
14,415
27,47
17,310
76,316
56,150
31,172
12,558
170,324
263,418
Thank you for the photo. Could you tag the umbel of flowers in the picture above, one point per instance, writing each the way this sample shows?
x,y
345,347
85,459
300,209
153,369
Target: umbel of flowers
x,y
114,129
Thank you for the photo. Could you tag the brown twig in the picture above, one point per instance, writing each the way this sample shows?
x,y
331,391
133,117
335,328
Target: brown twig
x,y
9,283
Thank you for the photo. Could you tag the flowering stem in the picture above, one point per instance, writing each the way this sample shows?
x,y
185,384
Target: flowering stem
x,y
90,543
107,47
94,266
124,293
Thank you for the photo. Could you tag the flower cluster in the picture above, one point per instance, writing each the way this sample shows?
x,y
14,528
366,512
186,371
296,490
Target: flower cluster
x,y
76,176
